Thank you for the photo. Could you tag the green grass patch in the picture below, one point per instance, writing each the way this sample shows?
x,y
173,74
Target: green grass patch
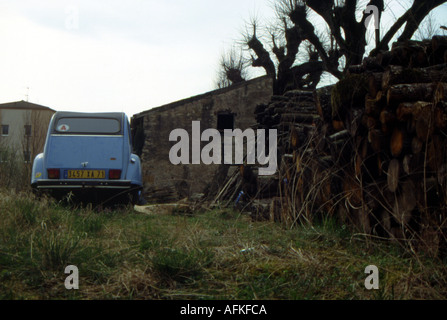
x,y
210,254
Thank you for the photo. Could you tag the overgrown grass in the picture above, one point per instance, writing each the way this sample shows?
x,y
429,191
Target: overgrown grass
x,y
211,254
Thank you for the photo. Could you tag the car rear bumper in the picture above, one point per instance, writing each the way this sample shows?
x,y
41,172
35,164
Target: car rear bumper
x,y
98,184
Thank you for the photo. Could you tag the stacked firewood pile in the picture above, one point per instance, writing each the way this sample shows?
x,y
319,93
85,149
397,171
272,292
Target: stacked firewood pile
x,y
385,145
161,194
393,111
370,150
295,117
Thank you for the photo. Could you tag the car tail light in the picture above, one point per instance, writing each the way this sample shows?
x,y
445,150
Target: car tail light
x,y
114,174
53,173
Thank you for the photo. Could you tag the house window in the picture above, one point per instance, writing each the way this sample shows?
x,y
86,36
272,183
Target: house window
x,y
27,156
5,129
27,130
225,121
3,156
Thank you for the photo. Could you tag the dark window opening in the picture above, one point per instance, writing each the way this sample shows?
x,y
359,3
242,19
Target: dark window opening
x,y
28,130
5,130
225,121
138,136
4,156
27,156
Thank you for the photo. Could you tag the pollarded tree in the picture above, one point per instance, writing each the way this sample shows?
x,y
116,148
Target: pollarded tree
x,y
341,43
233,69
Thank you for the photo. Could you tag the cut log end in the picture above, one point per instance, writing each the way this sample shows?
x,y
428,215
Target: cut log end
x,y
393,175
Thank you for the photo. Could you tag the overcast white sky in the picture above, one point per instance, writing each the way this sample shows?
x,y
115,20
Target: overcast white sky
x,y
115,55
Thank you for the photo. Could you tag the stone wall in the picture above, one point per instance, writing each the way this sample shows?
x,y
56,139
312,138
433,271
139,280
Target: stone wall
x,y
179,181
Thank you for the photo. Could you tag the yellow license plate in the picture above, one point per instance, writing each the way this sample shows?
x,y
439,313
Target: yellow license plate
x,y
86,174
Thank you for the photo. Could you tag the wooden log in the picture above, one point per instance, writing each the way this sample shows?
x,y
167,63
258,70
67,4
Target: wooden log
x,y
411,92
294,138
419,58
364,148
441,115
379,164
416,145
320,109
370,122
404,111
387,119
441,92
356,69
341,135
384,58
299,95
439,46
375,83
353,120
375,140
373,106
301,105
299,117
409,110
399,75
405,203
398,141
423,43
425,125
409,54
338,125
352,190
400,55
358,162
322,98
439,66
441,175
295,108
276,210
436,153
372,64
393,175
406,164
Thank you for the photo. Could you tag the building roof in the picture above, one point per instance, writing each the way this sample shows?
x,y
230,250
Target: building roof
x,y
24,105
175,104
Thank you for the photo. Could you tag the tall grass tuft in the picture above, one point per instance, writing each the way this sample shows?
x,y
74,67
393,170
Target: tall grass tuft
x,y
56,249
180,265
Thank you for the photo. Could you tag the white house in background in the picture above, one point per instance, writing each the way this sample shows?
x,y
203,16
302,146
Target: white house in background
x,y
23,130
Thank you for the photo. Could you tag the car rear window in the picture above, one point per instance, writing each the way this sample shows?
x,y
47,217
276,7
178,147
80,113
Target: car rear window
x,y
73,125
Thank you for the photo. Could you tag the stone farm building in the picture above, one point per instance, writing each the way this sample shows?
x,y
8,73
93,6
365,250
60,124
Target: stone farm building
x,y
227,108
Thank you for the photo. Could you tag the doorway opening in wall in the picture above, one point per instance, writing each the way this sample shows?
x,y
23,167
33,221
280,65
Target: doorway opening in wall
x,y
225,121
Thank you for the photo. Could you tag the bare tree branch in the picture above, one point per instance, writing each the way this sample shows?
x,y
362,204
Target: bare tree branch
x,y
412,17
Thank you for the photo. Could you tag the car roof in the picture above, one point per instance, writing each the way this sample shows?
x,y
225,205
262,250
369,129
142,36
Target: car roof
x,y
65,114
